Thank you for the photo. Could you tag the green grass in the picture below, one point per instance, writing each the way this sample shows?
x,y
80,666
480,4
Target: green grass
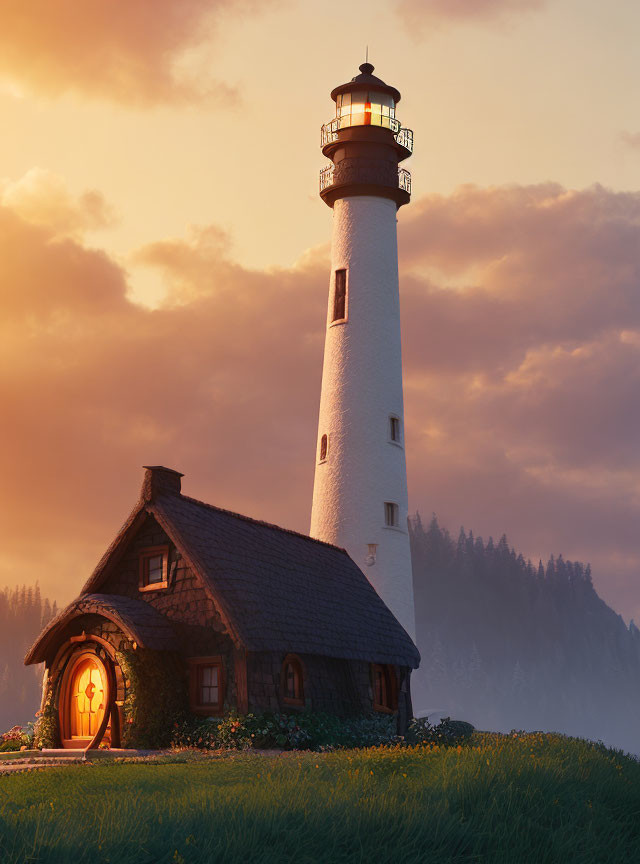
x,y
535,798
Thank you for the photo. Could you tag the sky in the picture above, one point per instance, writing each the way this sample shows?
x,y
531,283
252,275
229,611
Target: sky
x,y
164,266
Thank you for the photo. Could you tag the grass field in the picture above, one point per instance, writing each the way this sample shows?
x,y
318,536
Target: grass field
x,y
499,799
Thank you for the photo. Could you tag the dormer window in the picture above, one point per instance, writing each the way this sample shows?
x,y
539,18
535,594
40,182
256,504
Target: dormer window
x,y
340,296
154,568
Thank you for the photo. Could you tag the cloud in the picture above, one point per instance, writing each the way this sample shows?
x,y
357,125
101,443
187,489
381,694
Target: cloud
x,y
42,198
137,52
521,378
222,383
418,14
521,336
631,139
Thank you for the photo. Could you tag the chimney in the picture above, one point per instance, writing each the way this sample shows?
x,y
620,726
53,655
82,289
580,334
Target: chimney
x,y
159,481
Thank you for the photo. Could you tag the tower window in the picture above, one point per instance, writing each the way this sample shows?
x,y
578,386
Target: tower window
x,y
340,296
394,429
372,552
324,447
391,514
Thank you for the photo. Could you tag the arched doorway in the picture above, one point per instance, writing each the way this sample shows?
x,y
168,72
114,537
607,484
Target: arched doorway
x,y
85,701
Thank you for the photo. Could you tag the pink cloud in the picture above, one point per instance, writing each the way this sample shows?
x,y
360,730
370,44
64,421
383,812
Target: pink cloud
x,y
631,139
521,333
128,52
419,13
42,198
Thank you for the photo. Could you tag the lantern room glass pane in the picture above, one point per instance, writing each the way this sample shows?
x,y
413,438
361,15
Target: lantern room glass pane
x,y
364,108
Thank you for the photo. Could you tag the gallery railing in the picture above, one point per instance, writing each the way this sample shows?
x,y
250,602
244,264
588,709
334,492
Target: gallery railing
x,y
329,132
326,178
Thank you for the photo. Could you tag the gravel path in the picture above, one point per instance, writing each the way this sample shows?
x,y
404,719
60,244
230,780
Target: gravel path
x,y
16,765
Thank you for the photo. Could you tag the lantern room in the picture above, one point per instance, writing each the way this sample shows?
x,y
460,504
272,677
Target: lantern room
x,y
366,108
365,142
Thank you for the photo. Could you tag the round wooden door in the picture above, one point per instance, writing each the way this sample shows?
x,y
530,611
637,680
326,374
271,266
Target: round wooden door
x,y
86,698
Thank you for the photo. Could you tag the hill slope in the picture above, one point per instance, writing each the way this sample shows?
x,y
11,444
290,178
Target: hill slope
x,y
529,799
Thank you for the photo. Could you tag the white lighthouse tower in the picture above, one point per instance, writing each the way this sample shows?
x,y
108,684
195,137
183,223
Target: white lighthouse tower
x,y
360,489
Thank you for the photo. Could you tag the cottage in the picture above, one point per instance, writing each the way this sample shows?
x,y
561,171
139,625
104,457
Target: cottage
x,y
195,607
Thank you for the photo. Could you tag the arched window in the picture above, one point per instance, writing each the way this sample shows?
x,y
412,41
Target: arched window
x,y
384,688
324,446
292,681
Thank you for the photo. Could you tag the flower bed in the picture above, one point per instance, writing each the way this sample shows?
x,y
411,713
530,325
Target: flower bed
x,y
308,731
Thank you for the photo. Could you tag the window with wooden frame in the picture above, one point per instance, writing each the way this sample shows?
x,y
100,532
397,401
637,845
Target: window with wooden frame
x,y
292,681
206,685
385,696
340,296
154,568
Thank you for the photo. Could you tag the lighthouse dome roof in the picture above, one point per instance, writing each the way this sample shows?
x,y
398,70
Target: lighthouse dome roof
x,y
366,80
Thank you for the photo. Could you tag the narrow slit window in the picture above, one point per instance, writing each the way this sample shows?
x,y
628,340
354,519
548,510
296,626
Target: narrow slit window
x,y
390,514
340,296
394,428
324,446
371,554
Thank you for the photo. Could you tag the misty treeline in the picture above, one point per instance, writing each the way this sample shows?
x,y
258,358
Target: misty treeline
x,y
23,613
509,645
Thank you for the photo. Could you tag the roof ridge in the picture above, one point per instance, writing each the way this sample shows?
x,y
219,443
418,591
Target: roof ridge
x,y
254,521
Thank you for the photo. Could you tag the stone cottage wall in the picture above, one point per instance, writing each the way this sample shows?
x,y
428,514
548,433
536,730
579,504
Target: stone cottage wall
x,y
340,687
185,602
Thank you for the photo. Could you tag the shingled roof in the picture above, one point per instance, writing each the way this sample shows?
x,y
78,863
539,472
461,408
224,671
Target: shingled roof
x,y
276,590
137,620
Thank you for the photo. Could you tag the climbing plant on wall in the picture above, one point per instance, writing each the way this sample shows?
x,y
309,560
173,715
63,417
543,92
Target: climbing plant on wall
x,y
156,697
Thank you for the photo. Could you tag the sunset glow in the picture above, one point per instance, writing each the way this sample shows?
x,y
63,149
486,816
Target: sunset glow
x,y
164,261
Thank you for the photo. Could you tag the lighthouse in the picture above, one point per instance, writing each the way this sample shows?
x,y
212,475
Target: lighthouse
x,y
360,487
